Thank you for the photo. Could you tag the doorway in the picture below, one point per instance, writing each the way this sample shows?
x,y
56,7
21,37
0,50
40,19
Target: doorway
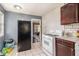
x,y
36,32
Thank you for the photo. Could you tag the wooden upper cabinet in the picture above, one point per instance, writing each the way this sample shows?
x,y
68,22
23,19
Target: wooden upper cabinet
x,y
69,13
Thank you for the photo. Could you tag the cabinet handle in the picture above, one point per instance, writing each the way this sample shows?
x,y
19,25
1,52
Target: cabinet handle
x,y
71,49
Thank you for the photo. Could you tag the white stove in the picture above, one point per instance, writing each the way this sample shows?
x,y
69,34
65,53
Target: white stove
x,y
48,44
77,49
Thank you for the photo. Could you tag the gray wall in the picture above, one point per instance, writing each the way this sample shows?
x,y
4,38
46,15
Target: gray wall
x,y
11,23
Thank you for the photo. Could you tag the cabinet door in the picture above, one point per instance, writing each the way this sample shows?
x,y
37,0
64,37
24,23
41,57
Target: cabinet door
x,y
64,48
60,50
69,14
59,47
69,51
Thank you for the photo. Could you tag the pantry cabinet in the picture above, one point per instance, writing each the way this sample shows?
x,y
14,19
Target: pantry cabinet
x,y
70,13
64,47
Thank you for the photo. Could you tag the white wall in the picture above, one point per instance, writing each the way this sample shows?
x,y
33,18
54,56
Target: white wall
x,y
51,21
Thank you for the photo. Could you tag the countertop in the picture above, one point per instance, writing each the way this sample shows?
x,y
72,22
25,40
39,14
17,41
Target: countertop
x,y
51,35
73,39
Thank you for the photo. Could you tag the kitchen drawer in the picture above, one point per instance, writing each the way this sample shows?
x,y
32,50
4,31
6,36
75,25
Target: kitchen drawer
x,y
58,40
69,43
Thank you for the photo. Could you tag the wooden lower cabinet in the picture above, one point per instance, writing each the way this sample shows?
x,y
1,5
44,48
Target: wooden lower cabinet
x,y
69,51
60,50
64,49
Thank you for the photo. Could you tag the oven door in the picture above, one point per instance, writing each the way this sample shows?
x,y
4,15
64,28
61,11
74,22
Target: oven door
x,y
47,43
76,49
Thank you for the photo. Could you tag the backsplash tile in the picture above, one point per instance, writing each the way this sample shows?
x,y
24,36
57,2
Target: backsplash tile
x,y
72,27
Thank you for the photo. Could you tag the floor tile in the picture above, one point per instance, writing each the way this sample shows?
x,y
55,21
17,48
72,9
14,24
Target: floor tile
x,y
35,51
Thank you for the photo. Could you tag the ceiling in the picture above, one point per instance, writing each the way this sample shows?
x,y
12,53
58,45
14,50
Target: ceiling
x,y
31,8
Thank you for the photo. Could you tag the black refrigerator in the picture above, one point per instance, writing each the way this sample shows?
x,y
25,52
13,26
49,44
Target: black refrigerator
x,y
24,35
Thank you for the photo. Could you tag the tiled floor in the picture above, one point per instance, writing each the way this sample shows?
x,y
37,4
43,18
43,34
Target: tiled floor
x,y
35,51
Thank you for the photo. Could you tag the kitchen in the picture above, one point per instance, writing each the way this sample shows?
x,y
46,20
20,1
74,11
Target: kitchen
x,y
55,26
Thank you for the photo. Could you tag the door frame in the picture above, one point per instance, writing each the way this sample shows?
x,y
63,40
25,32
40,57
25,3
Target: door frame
x,y
32,29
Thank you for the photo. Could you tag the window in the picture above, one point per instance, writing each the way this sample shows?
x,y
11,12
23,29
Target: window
x,y
1,24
